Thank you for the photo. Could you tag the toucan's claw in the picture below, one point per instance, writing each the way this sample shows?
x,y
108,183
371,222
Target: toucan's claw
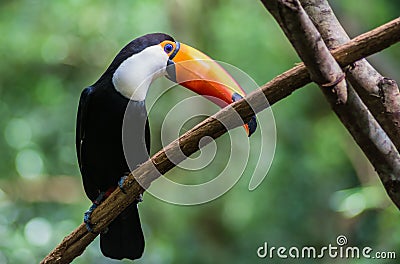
x,y
88,213
121,186
121,183
105,230
86,218
139,198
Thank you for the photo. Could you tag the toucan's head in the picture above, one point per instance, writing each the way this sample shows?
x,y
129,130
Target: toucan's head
x,y
151,56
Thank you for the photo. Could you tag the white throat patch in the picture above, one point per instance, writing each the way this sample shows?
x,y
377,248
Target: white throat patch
x,y
134,76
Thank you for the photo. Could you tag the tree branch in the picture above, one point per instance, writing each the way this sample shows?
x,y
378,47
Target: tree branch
x,y
354,115
307,41
383,104
280,87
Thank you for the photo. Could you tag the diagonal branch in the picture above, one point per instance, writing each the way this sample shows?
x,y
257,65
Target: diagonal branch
x,y
280,87
380,95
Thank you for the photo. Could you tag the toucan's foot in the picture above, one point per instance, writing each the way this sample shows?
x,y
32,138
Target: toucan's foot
x,y
88,213
105,230
121,183
86,218
139,198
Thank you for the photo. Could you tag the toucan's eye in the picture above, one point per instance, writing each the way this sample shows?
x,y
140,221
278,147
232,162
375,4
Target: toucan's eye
x,y
168,48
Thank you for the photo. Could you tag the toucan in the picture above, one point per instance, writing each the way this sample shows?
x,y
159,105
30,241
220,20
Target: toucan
x,y
116,101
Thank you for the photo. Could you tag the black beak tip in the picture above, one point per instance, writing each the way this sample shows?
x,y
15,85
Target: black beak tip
x,y
252,124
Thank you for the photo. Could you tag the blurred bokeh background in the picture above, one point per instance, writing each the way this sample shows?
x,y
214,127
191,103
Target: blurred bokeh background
x,y
319,186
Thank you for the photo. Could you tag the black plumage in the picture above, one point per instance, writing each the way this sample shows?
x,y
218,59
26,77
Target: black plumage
x,y
103,116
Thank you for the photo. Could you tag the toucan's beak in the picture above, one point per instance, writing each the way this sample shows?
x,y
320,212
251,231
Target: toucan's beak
x,y
199,73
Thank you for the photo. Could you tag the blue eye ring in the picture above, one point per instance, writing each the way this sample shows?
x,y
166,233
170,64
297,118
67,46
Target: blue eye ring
x,y
168,48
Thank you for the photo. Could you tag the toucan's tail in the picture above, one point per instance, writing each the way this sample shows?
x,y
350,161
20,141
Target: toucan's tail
x,y
124,238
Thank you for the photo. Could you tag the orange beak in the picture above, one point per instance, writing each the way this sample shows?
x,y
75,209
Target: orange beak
x,y
199,73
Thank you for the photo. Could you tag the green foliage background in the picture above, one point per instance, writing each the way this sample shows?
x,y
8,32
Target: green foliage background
x,y
319,186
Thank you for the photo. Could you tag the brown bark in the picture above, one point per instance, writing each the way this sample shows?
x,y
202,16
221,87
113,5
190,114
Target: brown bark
x,y
354,115
323,68
384,105
283,85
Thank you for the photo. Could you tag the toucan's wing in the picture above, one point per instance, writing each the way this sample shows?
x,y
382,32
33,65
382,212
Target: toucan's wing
x,y
81,122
